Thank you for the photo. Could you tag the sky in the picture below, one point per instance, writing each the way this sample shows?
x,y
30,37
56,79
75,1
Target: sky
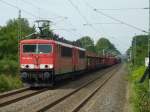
x,y
73,19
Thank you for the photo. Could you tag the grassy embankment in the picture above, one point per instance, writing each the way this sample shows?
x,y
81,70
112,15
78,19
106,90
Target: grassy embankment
x,y
139,97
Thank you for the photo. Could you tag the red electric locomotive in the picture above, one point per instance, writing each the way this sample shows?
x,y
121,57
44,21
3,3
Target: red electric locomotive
x,y
42,61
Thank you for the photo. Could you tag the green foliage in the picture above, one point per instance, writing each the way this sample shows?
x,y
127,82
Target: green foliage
x,y
8,66
9,44
9,52
139,49
104,44
8,82
87,43
137,73
140,98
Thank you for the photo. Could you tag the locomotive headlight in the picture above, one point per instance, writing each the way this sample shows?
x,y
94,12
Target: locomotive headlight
x,y
22,66
46,66
27,66
50,66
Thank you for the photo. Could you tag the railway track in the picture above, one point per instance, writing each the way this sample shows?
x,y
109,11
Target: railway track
x,y
77,107
17,95
22,94
6,94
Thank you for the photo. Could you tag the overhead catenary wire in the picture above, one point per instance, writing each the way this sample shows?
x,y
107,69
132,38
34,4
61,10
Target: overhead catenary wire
x,y
120,21
70,31
124,9
102,23
74,27
115,19
77,9
41,8
102,28
18,8
29,3
106,23
23,10
83,17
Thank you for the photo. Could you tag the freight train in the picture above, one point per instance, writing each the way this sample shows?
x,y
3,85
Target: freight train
x,y
43,61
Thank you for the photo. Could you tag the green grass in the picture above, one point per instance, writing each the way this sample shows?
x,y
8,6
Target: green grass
x,y
8,82
140,99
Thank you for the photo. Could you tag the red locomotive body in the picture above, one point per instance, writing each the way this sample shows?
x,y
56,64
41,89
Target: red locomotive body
x,y
42,61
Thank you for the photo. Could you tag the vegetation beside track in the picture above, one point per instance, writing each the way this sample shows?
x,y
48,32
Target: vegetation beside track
x,y
139,98
138,91
9,82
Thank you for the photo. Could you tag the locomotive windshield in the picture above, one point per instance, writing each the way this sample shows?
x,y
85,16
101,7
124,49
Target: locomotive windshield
x,y
44,49
37,48
29,48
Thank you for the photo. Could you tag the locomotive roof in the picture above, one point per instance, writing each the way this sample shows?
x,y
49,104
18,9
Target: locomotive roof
x,y
44,41
30,41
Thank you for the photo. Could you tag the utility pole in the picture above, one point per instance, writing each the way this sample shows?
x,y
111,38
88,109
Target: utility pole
x,y
148,47
19,25
19,32
135,49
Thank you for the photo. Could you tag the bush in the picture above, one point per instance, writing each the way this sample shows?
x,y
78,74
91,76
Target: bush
x,y
8,66
8,82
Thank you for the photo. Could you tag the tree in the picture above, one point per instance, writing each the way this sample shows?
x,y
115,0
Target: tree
x,y
87,43
139,49
104,44
9,43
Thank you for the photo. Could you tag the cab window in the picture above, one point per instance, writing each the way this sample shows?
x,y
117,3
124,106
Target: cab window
x,y
37,48
29,48
44,48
